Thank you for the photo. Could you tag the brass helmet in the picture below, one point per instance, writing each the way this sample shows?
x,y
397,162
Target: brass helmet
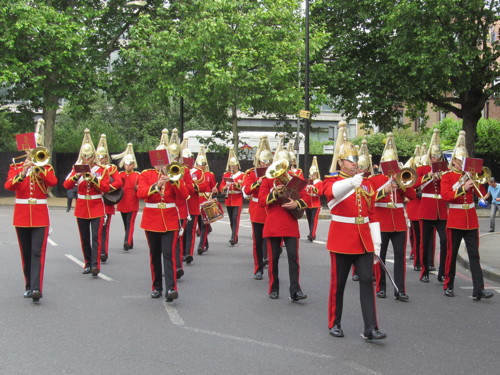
x,y
291,152
281,152
174,149
201,159
344,150
40,132
263,153
185,151
435,147
424,160
102,149
414,161
232,159
364,159
390,151
163,140
314,168
126,157
460,150
87,148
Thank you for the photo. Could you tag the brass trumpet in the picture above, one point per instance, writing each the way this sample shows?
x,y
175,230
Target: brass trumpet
x,y
174,171
407,177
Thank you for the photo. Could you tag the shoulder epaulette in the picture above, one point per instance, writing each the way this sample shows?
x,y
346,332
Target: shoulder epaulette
x,y
249,170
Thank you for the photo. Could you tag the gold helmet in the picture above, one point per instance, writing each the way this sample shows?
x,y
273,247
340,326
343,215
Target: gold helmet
x,y
343,148
232,159
127,156
364,158
390,151
424,160
174,149
435,146
201,159
414,161
163,140
281,153
291,152
102,149
40,132
314,168
460,150
185,151
87,149
263,153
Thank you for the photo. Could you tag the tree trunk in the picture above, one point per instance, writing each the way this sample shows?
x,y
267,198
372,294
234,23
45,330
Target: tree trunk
x,y
470,119
234,120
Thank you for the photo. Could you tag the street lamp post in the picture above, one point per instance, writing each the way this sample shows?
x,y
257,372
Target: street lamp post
x,y
306,89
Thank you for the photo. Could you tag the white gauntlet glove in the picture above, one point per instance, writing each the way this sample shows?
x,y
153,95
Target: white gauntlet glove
x,y
376,237
356,180
342,187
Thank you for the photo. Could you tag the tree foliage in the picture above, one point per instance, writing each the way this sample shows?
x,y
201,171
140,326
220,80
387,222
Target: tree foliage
x,y
382,55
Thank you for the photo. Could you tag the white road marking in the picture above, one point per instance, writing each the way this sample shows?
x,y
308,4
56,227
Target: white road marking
x,y
173,314
51,242
320,242
80,263
495,288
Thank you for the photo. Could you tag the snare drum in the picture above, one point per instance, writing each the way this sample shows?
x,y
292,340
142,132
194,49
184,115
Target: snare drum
x,y
211,210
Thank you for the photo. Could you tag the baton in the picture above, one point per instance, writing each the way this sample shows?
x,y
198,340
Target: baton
x,y
382,264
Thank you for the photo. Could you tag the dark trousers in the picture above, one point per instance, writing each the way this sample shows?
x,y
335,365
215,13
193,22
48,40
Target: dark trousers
x,y
259,247
33,246
190,235
90,239
398,240
234,214
179,248
105,234
205,229
471,239
129,224
428,242
312,215
339,271
415,242
161,245
292,250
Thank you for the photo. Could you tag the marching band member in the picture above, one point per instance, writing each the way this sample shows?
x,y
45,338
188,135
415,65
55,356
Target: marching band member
x,y
161,224
390,212
251,187
128,206
89,209
350,199
207,186
193,203
30,180
281,226
457,188
312,200
412,208
294,165
231,187
433,212
115,183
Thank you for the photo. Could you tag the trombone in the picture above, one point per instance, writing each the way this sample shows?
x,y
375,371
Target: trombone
x,y
407,177
478,179
40,156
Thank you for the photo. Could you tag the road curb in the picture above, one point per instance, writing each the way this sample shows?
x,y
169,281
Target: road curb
x,y
489,273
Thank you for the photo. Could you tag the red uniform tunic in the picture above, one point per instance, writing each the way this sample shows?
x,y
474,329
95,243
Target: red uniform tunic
x,y
350,238
205,186
115,182
182,203
160,213
130,201
462,212
279,222
311,196
389,209
413,208
89,204
234,195
251,189
31,208
432,206
194,200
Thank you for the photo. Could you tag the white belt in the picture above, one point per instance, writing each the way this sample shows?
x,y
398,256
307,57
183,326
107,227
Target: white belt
x,y
465,206
435,196
255,199
350,220
81,196
160,205
31,201
234,192
390,205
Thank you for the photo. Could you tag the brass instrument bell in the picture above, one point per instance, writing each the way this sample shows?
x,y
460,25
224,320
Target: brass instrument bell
x,y
174,171
407,177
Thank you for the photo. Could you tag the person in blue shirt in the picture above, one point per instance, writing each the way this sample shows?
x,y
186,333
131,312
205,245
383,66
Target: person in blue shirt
x,y
494,192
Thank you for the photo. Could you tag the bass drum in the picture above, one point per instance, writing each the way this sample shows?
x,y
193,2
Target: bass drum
x,y
211,210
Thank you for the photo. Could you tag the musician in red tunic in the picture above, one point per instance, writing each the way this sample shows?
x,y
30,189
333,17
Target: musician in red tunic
x,y
390,213
412,209
30,182
458,189
351,240
311,198
161,224
251,186
115,183
128,206
193,203
89,210
281,226
231,185
433,212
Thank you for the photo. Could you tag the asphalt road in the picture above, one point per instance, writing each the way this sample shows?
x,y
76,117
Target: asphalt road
x,y
223,321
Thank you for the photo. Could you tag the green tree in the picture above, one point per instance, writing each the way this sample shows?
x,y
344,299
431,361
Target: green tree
x,y
382,55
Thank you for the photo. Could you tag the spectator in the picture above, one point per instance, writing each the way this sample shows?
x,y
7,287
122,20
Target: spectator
x,y
494,193
72,194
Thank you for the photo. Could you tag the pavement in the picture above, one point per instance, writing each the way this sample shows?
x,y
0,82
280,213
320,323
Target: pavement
x,y
489,245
